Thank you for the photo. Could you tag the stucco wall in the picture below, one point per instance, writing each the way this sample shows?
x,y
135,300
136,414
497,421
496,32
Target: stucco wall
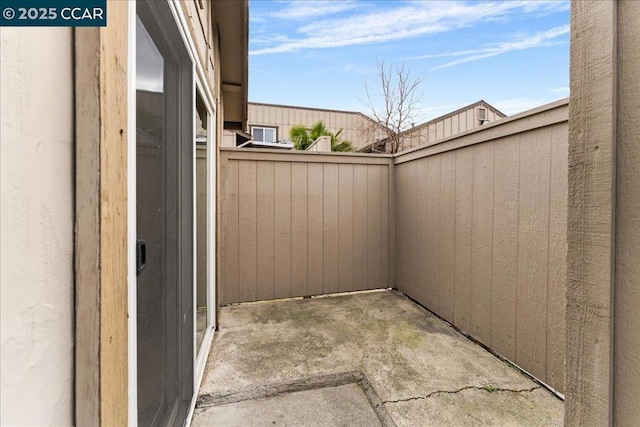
x,y
36,266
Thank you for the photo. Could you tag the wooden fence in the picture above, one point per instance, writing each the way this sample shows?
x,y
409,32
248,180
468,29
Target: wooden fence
x,y
474,228
481,235
299,224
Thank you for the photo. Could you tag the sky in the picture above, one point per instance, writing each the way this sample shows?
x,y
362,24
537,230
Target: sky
x,y
513,54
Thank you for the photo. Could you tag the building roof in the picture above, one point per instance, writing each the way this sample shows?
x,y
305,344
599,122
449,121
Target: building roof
x,y
453,113
437,119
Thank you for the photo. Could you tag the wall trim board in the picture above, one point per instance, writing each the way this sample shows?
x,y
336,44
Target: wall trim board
x,y
101,132
591,214
309,157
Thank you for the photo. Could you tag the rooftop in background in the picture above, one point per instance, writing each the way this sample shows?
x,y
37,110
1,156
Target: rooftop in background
x,y
270,123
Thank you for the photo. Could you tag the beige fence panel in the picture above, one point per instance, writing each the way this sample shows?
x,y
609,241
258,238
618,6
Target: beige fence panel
x,y
481,235
473,228
298,224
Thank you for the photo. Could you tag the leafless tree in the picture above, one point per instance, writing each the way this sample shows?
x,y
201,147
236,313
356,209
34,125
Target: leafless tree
x,y
401,97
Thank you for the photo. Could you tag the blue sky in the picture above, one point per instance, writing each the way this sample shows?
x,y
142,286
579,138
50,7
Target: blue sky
x,y
513,54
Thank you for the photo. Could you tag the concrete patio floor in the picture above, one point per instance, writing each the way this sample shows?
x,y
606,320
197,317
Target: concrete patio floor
x,y
363,359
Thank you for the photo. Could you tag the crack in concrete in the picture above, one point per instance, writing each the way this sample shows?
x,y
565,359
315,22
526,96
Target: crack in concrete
x,y
488,389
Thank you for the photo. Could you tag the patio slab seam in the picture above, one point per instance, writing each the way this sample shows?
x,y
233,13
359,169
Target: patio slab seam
x,y
273,390
413,368
324,381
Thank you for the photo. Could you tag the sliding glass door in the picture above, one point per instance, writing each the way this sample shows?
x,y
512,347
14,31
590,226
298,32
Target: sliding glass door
x,y
164,204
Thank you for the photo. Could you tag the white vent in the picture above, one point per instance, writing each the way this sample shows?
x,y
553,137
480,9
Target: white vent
x,y
482,115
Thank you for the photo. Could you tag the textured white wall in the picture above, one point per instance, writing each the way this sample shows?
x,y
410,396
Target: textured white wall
x,y
36,225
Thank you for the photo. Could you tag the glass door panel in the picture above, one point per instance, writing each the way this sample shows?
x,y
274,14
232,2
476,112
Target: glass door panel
x,y
201,219
164,211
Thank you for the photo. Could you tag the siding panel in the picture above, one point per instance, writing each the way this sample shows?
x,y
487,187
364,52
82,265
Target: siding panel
x,y
557,256
533,257
447,233
420,238
283,230
299,230
247,231
433,234
384,227
345,231
481,242
360,230
266,231
464,213
229,220
315,236
331,213
374,218
505,247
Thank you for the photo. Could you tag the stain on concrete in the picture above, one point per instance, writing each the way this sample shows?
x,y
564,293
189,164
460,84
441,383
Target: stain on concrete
x,y
410,358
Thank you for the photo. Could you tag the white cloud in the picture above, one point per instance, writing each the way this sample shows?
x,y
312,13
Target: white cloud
x,y
537,40
260,70
301,10
562,90
374,24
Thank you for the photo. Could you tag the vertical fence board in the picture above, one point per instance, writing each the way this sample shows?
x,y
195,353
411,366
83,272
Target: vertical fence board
x,y
283,230
401,220
464,212
345,227
413,216
384,227
265,231
230,214
315,239
433,234
299,229
505,247
447,233
481,242
374,217
420,235
533,236
360,227
331,266
247,230
557,258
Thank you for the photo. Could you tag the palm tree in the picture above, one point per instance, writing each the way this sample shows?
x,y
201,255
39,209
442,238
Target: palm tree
x,y
303,137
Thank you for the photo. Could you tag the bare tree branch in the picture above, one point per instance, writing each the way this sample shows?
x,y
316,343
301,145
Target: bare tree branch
x,y
401,99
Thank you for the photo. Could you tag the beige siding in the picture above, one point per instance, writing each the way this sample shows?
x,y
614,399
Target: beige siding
x,y
356,128
603,298
446,126
297,224
627,300
480,235
199,20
